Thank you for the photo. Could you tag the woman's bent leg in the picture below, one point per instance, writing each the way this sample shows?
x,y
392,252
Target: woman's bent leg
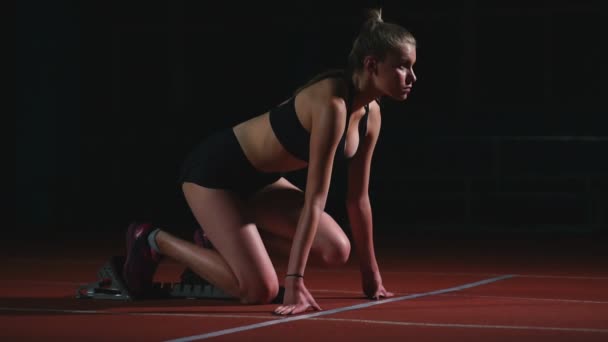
x,y
239,263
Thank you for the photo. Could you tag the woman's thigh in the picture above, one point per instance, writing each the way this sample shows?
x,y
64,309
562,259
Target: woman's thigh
x,y
276,209
222,215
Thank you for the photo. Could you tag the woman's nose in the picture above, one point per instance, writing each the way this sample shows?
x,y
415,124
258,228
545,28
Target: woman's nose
x,y
411,77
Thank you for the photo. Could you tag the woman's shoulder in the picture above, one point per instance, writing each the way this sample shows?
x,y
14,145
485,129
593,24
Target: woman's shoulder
x,y
328,92
323,99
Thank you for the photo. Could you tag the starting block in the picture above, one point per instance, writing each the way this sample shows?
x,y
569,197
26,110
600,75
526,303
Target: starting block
x,y
110,285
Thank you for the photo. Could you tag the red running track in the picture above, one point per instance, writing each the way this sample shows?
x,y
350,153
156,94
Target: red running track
x,y
558,292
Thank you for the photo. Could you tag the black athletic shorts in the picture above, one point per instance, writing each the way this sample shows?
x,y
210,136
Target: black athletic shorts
x,y
219,162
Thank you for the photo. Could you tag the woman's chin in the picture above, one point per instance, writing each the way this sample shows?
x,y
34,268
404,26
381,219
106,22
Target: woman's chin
x,y
400,97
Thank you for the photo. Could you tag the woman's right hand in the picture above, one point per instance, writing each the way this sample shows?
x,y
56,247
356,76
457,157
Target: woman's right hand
x,y
297,299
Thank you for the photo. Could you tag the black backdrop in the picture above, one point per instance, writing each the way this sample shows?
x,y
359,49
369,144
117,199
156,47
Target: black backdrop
x,y
506,127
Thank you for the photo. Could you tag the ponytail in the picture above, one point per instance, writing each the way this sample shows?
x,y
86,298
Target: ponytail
x,y
377,37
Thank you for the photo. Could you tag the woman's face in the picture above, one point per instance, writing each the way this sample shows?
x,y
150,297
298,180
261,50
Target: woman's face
x,y
395,76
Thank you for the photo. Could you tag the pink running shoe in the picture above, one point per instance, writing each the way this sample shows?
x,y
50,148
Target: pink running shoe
x,y
141,262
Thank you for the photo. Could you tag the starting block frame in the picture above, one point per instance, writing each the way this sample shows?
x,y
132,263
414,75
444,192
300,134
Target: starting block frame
x,y
110,285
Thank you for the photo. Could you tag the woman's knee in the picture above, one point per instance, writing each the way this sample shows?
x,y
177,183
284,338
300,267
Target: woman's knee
x,y
337,252
259,291
334,245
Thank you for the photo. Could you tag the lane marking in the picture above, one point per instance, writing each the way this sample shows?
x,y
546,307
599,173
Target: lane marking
x,y
353,292
419,324
45,282
323,270
459,325
578,301
55,310
337,310
561,277
325,319
550,276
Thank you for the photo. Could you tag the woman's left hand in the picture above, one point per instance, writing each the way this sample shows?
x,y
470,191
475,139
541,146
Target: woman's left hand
x,y
373,288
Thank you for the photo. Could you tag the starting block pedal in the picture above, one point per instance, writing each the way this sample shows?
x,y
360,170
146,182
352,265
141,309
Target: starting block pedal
x,y
110,285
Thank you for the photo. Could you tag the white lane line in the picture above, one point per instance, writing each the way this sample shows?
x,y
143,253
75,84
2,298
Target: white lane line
x,y
337,310
576,301
325,319
122,313
476,274
353,292
95,312
458,325
417,324
324,270
549,276
57,260
398,293
45,282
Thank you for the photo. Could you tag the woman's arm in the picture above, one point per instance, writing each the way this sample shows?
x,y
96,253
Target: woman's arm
x,y
359,207
327,129
326,132
357,198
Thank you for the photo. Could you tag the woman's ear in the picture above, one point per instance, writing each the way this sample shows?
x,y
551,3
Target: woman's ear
x,y
370,63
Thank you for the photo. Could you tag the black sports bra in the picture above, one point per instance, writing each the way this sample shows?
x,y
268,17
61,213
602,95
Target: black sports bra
x,y
294,137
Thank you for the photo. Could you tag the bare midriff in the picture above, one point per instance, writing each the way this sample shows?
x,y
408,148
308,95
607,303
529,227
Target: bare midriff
x,y
264,150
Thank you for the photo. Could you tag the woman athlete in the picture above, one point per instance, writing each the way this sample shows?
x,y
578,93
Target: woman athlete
x,y
232,182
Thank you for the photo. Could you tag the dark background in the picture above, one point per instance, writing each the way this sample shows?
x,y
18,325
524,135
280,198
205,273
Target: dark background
x,y
506,128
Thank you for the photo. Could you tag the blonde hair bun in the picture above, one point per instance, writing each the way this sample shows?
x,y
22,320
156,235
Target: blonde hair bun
x,y
375,15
